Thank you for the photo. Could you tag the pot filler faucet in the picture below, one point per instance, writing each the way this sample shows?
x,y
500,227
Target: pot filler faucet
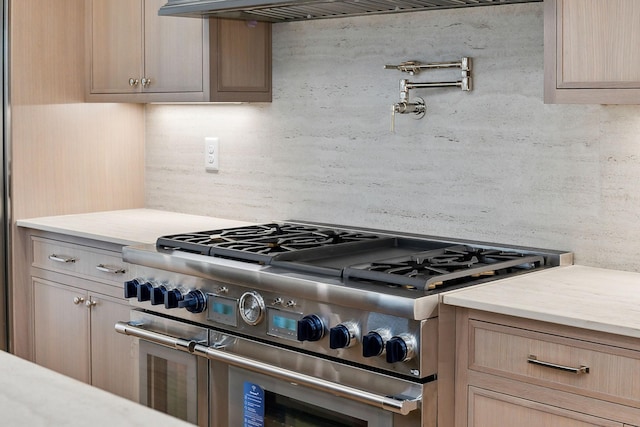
x,y
418,107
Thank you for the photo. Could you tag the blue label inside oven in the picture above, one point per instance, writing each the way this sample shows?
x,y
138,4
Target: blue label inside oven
x,y
253,405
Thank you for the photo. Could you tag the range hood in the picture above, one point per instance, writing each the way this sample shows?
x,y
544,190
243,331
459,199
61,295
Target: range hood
x,y
301,10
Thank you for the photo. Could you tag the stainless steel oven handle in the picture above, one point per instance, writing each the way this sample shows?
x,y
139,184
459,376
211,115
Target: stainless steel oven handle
x,y
176,343
388,403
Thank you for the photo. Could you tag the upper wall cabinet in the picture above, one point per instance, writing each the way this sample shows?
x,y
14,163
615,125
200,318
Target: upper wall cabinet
x,y
591,53
134,55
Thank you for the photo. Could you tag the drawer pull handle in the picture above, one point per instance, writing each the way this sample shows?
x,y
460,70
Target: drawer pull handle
x,y
578,371
110,269
61,258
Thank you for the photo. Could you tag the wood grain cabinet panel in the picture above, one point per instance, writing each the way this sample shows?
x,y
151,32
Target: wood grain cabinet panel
x,y
488,408
245,76
61,329
114,357
591,51
134,55
501,350
585,378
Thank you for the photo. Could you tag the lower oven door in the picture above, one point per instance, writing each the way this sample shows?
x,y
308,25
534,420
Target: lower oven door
x,y
254,384
172,381
260,400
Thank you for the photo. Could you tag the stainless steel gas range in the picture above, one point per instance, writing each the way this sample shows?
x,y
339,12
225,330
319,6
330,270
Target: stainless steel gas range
x,y
291,323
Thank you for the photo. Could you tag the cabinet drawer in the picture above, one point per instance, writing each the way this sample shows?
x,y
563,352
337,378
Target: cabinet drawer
x,y
605,372
78,260
488,408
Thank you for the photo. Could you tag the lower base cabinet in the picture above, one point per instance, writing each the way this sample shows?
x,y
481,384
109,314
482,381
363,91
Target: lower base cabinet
x,y
517,372
76,290
74,335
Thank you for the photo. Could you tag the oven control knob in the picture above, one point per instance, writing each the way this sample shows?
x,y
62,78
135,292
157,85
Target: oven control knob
x,y
172,298
343,336
194,302
373,343
131,288
157,295
310,328
401,348
144,291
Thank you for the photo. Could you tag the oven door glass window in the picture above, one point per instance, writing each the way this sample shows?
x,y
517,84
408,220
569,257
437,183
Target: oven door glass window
x,y
168,381
288,405
285,411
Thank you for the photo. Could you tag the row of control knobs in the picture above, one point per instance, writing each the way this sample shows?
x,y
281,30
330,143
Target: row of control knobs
x,y
193,301
310,328
398,348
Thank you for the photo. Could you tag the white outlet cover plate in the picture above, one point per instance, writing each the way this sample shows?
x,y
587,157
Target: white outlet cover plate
x,y
211,154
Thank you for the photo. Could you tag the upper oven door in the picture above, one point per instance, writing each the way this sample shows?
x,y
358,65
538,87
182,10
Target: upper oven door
x,y
260,400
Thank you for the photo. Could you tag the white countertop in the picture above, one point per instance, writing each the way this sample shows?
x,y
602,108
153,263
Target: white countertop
x,y
585,297
580,296
33,396
127,227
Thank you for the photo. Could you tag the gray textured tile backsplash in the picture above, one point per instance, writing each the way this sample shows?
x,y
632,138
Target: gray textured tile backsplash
x,y
494,164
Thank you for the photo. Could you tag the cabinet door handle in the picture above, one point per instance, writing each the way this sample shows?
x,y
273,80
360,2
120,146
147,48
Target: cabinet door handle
x,y
133,82
578,371
78,300
145,82
61,258
110,269
91,303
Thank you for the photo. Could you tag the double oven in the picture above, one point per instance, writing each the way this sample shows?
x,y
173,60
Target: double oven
x,y
213,378
298,325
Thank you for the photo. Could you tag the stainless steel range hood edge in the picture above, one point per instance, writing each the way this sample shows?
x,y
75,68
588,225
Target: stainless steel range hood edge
x,y
301,10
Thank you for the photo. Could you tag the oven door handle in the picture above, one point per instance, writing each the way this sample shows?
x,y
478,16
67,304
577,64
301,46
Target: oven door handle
x,y
396,405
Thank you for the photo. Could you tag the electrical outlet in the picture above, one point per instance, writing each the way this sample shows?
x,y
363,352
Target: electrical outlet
x,y
211,154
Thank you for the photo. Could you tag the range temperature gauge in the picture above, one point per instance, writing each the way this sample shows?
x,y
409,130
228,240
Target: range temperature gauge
x,y
252,307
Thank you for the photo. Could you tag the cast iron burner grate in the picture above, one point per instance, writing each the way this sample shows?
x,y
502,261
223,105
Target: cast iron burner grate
x,y
443,267
260,243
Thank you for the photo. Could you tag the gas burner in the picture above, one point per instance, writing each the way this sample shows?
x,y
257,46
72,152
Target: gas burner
x,y
443,267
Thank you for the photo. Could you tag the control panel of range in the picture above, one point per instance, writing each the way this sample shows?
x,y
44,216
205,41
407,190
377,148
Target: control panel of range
x,y
370,338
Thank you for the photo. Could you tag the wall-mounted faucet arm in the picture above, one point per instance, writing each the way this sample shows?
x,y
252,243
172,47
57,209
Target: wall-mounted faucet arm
x,y
414,67
464,84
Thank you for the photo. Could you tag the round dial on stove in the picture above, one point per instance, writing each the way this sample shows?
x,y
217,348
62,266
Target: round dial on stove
x,y
252,307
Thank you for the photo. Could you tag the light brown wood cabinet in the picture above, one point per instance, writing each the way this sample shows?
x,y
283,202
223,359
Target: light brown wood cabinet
x,y
591,53
77,299
512,371
134,55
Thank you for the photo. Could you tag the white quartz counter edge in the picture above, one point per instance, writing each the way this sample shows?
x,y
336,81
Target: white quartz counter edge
x,y
585,297
127,227
33,396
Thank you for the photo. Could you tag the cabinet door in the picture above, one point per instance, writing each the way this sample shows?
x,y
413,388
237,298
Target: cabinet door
x,y
491,409
591,51
116,45
61,329
114,357
240,60
598,43
173,53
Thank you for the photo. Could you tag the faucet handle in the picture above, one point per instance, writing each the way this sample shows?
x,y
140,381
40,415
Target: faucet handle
x,y
394,108
411,67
